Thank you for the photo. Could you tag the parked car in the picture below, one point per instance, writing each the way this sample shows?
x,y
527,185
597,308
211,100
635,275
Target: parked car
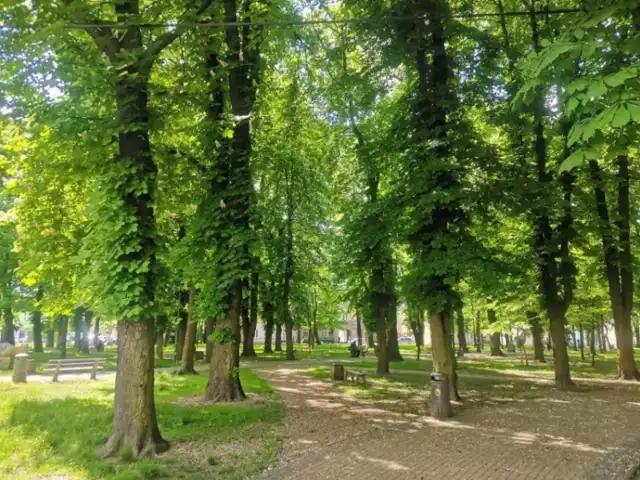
x,y
405,340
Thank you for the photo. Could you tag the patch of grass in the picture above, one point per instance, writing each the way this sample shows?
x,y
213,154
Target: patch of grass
x,y
109,354
605,366
49,429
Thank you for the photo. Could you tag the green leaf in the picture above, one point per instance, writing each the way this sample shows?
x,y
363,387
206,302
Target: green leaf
x,y
597,89
619,78
634,111
621,118
227,133
574,160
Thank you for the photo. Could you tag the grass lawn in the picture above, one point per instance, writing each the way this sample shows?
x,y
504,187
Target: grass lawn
x,y
109,355
605,366
52,430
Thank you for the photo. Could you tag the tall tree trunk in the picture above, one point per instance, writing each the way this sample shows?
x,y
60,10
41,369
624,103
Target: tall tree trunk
x,y
359,329
315,333
593,342
289,338
159,346
189,347
208,331
370,341
381,332
224,381
86,328
574,339
618,265
555,304
78,319
50,341
268,331
392,332
248,349
298,336
560,355
637,329
480,344
495,337
181,328
8,332
135,425
462,340
36,321
288,269
96,331
536,334
582,342
63,324
444,359
278,346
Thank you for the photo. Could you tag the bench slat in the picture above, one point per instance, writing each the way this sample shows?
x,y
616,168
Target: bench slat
x,y
73,369
74,362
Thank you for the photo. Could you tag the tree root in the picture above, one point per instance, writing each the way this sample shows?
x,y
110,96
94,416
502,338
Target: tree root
x,y
119,445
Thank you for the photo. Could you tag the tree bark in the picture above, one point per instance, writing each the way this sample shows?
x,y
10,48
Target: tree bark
x,y
135,426
392,331
63,324
560,355
536,334
51,335
618,264
462,340
86,328
96,330
359,329
495,337
78,319
36,321
582,342
637,329
370,341
381,332
278,346
268,331
159,346
181,329
315,333
545,239
189,347
442,352
224,379
248,349
8,331
593,342
208,331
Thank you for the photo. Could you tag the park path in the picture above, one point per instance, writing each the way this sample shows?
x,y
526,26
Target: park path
x,y
543,435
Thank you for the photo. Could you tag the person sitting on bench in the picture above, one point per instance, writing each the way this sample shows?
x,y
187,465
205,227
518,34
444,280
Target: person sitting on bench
x,y
354,349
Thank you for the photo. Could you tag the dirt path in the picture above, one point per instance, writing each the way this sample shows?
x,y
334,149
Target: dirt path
x,y
544,435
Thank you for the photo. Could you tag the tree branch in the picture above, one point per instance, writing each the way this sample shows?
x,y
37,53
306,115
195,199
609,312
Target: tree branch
x,y
163,41
102,36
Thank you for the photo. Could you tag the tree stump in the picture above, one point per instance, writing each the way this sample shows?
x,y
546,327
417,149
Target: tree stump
x,y
20,366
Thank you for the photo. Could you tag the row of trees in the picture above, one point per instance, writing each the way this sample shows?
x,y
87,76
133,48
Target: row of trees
x,y
426,155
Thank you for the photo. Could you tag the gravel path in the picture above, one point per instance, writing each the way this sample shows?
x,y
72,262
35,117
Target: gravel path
x,y
541,434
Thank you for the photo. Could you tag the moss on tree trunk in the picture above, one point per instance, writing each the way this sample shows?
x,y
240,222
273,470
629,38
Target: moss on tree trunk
x,y
224,379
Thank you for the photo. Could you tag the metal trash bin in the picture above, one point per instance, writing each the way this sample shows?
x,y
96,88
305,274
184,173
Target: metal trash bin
x,y
440,398
337,372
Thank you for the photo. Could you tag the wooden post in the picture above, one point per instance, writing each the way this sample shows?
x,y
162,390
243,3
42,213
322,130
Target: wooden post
x,y
94,370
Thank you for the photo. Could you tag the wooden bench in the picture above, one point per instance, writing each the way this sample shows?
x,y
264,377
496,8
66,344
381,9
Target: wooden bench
x,y
355,377
75,365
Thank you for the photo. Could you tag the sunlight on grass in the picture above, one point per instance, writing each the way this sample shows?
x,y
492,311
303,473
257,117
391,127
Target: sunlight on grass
x,y
49,429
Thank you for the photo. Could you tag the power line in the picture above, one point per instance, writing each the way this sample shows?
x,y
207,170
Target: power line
x,y
283,23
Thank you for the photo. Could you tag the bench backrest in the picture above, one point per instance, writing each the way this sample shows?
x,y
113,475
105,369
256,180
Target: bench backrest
x,y
77,362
